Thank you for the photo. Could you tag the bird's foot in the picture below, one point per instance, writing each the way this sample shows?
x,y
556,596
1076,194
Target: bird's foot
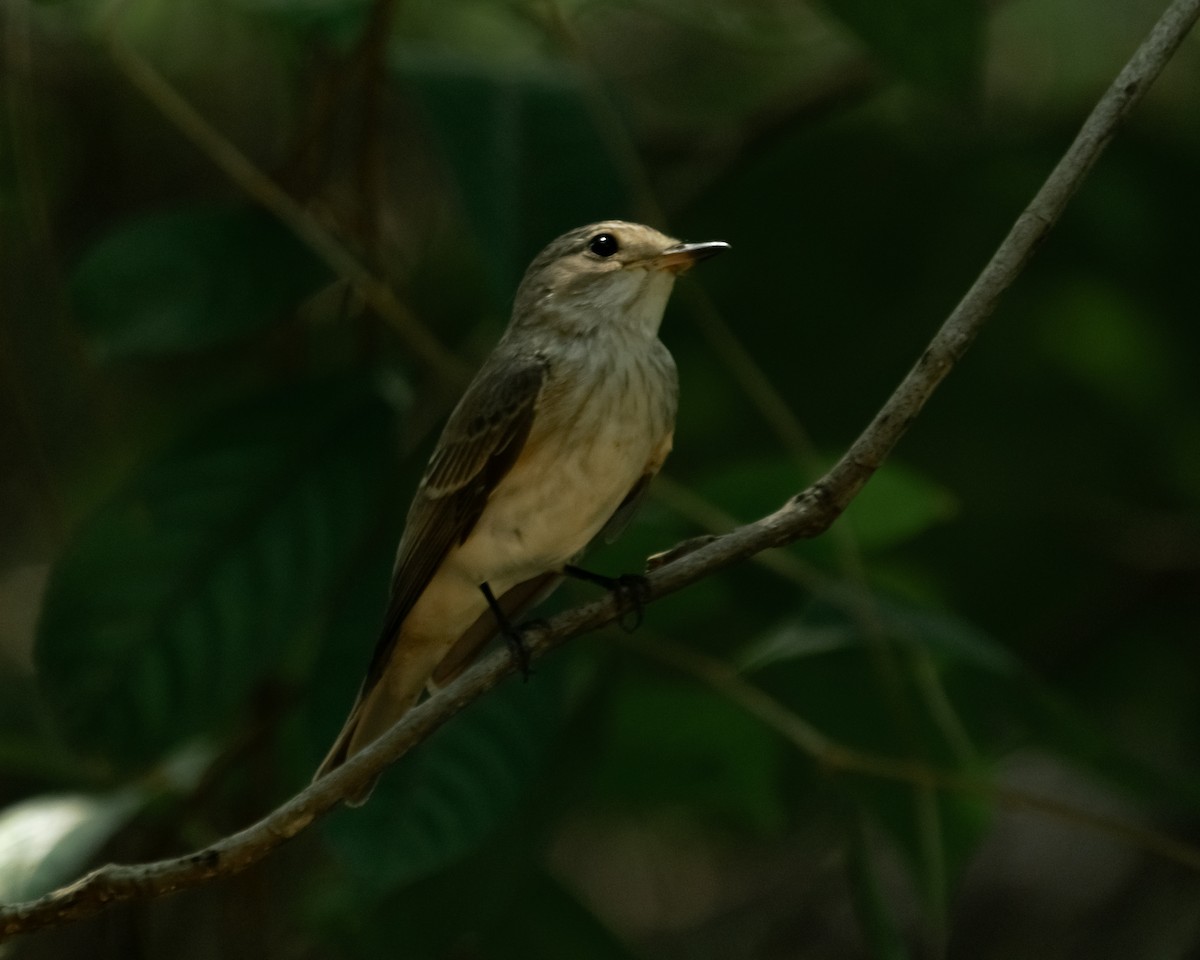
x,y
515,641
513,635
632,592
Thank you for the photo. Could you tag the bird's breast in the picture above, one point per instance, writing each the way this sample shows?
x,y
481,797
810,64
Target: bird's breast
x,y
601,422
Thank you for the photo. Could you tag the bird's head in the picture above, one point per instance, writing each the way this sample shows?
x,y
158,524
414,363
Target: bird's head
x,y
608,273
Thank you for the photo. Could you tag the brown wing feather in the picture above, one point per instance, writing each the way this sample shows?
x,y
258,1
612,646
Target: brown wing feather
x,y
482,440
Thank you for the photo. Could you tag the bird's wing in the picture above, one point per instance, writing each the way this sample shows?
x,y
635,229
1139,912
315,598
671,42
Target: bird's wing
x,y
482,440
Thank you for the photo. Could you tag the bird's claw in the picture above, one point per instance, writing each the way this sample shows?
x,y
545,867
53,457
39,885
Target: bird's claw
x,y
514,639
633,592
513,635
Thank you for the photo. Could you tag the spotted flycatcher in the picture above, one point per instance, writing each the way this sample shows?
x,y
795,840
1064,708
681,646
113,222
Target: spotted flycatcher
x,y
554,442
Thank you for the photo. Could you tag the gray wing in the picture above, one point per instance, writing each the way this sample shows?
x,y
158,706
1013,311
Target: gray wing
x,y
481,441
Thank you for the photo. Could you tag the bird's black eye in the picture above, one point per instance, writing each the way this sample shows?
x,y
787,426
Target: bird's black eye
x,y
604,245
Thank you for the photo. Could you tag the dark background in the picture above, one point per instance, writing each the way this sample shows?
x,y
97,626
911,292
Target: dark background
x,y
207,445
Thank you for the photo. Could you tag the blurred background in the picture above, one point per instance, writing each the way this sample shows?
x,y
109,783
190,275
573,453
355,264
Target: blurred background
x,y
252,249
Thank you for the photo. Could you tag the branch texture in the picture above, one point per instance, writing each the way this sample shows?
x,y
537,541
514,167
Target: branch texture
x,y
807,514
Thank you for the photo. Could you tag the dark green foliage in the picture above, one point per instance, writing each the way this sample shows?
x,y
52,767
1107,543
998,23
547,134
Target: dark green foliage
x,y
205,576
466,780
210,445
933,43
501,133
190,278
682,747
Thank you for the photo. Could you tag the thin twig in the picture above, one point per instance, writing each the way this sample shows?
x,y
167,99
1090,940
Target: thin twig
x,y
838,757
372,53
807,514
265,191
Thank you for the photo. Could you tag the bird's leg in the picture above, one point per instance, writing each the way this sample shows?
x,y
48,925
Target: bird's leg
x,y
632,590
510,632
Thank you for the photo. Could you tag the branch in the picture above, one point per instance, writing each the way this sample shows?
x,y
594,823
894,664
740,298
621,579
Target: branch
x,y
806,515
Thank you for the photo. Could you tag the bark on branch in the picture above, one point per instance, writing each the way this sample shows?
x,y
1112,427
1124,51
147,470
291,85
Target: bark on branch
x,y
807,514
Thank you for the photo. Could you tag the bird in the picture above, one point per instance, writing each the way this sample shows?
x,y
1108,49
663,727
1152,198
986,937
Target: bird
x,y
552,444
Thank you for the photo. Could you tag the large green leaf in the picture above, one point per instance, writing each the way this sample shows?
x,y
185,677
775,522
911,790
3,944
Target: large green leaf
x,y
443,799
1094,331
350,630
189,278
836,623
204,575
896,505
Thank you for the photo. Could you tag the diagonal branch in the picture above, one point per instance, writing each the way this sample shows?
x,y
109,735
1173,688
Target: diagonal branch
x,y
807,514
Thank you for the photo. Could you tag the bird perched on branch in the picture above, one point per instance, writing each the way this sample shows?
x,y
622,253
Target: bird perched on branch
x,y
553,443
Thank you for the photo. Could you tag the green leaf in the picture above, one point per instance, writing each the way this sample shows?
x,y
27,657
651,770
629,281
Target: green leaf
x,y
933,43
747,488
205,574
189,278
350,630
48,840
897,504
443,799
677,744
1107,340
830,626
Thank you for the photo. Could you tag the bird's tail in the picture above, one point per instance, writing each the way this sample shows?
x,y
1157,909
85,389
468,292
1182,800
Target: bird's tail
x,y
374,712
379,706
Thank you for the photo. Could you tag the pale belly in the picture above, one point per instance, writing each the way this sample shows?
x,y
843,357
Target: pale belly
x,y
554,502
582,458
547,509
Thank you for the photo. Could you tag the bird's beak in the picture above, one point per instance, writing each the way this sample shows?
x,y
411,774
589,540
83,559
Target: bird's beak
x,y
681,256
